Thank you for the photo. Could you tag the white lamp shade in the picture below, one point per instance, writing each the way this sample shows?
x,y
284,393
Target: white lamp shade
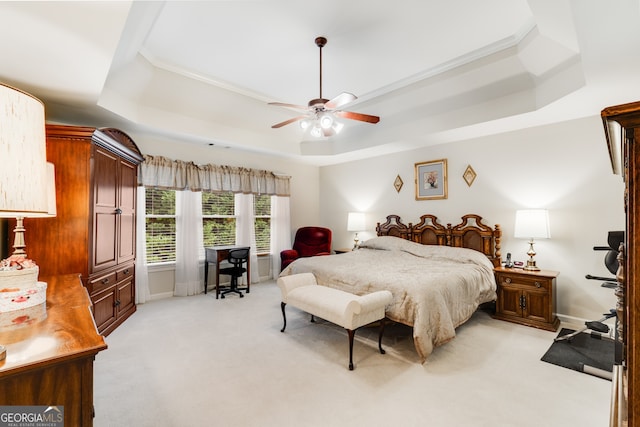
x,y
51,194
355,221
23,154
532,223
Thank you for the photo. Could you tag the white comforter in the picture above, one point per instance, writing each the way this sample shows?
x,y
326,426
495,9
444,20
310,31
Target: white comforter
x,y
435,288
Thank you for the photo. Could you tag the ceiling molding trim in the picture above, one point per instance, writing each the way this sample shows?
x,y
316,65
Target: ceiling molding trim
x,y
201,77
498,46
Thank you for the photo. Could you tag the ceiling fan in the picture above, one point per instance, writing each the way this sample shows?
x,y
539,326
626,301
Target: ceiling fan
x,y
320,114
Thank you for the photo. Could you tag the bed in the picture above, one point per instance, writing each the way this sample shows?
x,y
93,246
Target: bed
x,y
438,275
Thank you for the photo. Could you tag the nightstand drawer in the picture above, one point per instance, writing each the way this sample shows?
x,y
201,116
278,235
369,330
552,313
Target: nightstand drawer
x,y
541,284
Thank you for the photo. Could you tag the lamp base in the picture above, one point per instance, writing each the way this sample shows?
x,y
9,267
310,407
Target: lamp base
x,y
531,265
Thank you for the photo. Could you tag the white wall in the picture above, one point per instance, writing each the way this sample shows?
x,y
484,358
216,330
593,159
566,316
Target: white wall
x,y
562,167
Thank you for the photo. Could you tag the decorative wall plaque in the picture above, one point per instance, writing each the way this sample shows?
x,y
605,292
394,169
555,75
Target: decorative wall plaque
x,y
398,183
469,175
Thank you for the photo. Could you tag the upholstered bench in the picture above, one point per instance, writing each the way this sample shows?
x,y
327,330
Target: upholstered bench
x,y
342,308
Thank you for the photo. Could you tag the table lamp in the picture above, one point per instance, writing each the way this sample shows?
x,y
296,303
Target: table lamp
x,y
355,222
23,177
530,224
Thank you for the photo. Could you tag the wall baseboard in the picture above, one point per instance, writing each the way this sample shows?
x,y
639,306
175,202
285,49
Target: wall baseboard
x,y
162,295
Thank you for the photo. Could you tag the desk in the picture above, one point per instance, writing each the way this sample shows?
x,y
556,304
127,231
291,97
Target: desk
x,y
217,254
50,355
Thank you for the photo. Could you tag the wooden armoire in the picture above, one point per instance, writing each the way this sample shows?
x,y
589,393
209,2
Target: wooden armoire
x,y
622,129
94,231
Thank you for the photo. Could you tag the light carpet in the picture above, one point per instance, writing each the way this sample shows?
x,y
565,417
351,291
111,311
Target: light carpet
x,y
197,361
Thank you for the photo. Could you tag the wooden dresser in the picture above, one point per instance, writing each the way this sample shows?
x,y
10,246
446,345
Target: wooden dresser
x,y
622,129
93,233
50,355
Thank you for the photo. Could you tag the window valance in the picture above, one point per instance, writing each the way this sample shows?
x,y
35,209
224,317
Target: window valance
x,y
160,172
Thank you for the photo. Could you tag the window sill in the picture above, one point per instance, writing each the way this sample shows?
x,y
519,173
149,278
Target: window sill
x,y
168,266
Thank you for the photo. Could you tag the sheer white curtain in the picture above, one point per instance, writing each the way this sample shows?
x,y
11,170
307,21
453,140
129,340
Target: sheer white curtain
x,y
189,242
245,230
280,230
142,274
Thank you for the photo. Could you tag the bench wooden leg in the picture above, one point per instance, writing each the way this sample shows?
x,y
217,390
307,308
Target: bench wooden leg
x,y
382,322
284,317
351,334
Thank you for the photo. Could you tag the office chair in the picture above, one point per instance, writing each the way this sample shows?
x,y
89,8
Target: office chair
x,y
237,258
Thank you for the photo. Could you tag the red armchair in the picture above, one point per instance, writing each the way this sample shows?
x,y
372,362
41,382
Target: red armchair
x,y
309,241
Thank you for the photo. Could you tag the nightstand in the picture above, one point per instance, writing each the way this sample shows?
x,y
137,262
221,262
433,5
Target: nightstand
x,y
527,297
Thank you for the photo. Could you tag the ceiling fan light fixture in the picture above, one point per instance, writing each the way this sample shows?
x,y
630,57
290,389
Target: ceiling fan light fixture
x,y
316,131
304,124
326,121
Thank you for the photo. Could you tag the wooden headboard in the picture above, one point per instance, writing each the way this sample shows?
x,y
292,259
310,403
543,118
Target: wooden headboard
x,y
470,233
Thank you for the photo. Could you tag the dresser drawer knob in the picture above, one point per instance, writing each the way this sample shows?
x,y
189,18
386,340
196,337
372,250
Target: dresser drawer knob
x,y
105,280
126,271
538,285
507,280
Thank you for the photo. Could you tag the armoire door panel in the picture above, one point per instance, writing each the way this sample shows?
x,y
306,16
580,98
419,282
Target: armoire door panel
x,y
105,164
105,307
128,184
127,209
126,295
104,242
127,241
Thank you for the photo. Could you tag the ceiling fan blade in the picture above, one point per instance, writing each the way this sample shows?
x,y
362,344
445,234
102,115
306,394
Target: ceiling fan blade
x,y
340,100
285,105
286,122
357,116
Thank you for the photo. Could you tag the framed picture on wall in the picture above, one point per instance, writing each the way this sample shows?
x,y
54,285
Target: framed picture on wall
x,y
431,180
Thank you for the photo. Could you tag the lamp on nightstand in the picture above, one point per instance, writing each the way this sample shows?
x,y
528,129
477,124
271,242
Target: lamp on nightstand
x,y
530,224
355,222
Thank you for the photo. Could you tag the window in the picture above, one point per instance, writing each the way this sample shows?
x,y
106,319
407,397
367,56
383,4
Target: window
x,y
160,222
262,213
218,222
218,219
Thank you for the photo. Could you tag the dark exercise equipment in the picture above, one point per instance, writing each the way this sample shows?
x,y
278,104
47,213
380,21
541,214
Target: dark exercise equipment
x,y
598,327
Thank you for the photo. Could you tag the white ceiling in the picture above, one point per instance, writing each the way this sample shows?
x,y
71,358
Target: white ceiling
x,y
434,71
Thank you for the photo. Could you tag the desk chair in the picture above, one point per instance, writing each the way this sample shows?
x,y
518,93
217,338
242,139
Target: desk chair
x,y
237,258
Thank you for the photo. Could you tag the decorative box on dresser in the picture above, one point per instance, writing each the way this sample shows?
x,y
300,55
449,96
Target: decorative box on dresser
x,y
622,130
93,233
527,297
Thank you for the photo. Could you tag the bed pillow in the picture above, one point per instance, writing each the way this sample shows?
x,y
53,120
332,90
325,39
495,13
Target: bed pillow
x,y
388,243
